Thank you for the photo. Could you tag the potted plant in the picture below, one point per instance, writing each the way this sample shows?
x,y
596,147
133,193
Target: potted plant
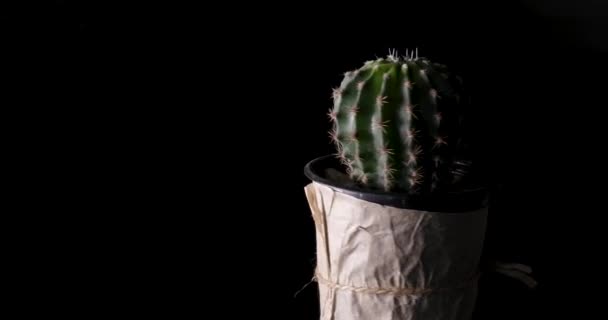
x,y
400,214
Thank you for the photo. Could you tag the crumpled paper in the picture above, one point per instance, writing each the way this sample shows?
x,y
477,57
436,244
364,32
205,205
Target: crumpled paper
x,y
385,263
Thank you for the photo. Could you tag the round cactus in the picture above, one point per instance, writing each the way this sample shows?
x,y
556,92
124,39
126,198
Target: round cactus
x,y
397,124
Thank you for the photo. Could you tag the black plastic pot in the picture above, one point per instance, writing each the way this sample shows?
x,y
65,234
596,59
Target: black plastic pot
x,y
467,199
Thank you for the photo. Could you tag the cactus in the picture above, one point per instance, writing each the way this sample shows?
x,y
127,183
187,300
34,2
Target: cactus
x,y
397,124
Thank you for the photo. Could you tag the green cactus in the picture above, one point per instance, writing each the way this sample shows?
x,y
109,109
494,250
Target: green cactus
x,y
397,124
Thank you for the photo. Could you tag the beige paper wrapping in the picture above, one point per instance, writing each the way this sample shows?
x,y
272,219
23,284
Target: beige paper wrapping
x,y
384,263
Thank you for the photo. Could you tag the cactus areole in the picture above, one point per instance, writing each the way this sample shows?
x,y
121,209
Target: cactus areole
x,y
397,125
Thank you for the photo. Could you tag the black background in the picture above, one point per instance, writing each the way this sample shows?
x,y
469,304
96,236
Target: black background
x,y
151,85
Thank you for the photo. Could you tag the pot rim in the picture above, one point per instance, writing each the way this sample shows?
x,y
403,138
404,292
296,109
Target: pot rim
x,y
454,201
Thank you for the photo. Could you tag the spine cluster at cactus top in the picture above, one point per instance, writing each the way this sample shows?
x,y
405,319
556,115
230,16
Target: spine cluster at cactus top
x,y
397,124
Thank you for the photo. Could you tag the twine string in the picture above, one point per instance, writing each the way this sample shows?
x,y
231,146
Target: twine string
x,y
395,291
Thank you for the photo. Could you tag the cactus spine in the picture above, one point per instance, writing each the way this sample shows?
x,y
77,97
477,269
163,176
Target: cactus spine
x,y
396,124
